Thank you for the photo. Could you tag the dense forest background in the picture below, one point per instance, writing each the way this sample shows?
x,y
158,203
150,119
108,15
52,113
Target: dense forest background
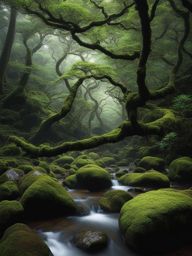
x,y
41,63
95,112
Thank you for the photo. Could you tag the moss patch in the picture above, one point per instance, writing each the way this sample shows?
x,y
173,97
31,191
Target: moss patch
x,y
112,201
150,179
157,220
10,213
64,160
8,191
180,170
20,240
151,162
71,182
47,198
93,177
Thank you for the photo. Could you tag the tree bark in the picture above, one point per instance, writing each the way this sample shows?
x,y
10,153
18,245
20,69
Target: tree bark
x,y
6,52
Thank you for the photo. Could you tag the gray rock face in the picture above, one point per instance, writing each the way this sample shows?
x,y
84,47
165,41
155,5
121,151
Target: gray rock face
x,y
90,241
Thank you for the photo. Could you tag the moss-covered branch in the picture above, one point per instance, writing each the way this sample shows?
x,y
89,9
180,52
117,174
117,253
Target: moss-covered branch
x,y
165,123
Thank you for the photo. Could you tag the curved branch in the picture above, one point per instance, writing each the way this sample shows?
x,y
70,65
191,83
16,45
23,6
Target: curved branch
x,y
126,129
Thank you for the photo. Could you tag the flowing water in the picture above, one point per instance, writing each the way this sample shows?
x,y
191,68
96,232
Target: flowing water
x,y
58,233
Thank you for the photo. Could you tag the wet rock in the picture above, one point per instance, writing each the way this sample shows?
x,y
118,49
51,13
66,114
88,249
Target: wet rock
x,y
91,241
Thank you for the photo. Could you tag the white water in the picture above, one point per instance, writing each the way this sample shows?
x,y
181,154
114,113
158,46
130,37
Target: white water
x,y
60,243
117,186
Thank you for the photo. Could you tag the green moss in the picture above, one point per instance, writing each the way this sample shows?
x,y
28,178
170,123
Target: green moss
x,y
3,166
28,179
8,191
93,155
57,170
150,162
47,198
180,170
20,240
93,177
121,173
71,182
26,168
10,150
157,220
10,213
113,200
64,160
45,166
106,161
148,179
139,169
79,162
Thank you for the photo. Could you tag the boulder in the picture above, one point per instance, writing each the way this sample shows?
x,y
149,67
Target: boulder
x,y
10,213
113,200
20,240
151,162
9,191
93,178
46,198
150,179
180,170
157,220
91,241
71,182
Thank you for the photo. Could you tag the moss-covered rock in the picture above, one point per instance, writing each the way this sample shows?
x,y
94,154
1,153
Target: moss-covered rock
x,y
139,169
26,168
10,213
180,170
121,173
28,179
20,240
3,166
9,191
45,166
151,162
106,161
157,220
113,200
10,150
91,241
93,177
61,161
71,182
79,162
47,198
93,155
150,179
58,171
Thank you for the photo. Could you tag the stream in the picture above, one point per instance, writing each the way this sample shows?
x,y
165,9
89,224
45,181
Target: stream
x,y
58,233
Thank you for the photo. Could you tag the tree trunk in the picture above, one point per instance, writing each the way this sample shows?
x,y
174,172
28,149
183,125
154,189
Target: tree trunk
x,y
6,52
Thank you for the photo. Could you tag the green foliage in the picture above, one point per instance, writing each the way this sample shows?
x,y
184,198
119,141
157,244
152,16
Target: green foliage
x,y
168,141
83,69
183,104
